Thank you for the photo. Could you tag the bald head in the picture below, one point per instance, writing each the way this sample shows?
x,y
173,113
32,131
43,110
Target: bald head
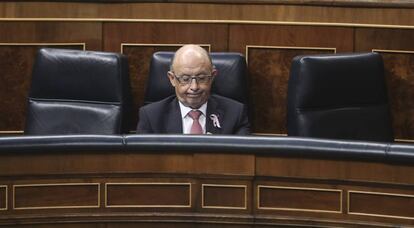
x,y
193,63
190,54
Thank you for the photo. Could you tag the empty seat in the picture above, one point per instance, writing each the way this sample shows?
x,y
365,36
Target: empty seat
x,y
339,96
78,92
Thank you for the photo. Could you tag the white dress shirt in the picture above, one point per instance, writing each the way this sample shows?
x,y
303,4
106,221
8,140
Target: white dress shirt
x,y
188,121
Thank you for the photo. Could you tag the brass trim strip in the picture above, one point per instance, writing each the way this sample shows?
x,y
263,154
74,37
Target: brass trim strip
x,y
56,184
287,47
377,193
299,209
223,186
206,21
45,44
404,140
160,45
6,198
148,206
393,51
11,132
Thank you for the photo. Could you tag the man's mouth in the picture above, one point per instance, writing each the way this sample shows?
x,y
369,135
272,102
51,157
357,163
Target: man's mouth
x,y
193,94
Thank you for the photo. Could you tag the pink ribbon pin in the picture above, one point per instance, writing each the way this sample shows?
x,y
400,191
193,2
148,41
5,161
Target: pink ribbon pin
x,y
216,122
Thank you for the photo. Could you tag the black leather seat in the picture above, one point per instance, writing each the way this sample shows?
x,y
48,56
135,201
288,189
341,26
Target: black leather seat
x,y
78,92
230,82
340,96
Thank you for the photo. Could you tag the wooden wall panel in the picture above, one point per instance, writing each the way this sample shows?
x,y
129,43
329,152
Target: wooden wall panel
x,y
397,50
367,39
224,196
140,40
399,73
18,45
155,195
269,51
391,205
165,33
299,199
56,196
241,36
206,163
89,33
295,191
53,163
196,11
342,170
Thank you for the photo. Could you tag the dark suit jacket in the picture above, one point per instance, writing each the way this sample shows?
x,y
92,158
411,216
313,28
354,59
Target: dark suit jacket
x,y
164,117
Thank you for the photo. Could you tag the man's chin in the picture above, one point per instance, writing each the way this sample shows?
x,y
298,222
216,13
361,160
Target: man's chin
x,y
194,104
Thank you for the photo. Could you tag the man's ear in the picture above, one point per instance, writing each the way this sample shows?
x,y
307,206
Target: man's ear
x,y
172,78
214,73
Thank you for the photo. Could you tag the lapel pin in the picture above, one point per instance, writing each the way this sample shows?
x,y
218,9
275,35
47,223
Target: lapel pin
x,y
215,119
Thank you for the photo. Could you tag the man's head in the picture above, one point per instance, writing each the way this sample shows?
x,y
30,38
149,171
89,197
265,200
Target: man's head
x,y
192,74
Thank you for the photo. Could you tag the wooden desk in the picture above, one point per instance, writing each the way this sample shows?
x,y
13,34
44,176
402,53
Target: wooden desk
x,y
161,185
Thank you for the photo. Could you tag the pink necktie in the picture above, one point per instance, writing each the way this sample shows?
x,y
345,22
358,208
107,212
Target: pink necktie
x,y
195,127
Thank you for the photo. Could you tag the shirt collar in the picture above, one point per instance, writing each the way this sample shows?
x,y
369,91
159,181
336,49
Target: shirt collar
x,y
185,109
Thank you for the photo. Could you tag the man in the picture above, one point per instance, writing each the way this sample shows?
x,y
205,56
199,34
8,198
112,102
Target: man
x,y
192,110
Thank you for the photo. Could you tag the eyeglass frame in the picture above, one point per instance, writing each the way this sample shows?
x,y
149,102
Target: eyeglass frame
x,y
197,78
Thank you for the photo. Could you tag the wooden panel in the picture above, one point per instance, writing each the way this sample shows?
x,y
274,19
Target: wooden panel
x,y
3,197
153,188
299,199
148,195
193,11
84,162
243,35
269,69
334,169
398,69
89,33
215,163
399,73
165,33
49,196
367,39
387,204
224,196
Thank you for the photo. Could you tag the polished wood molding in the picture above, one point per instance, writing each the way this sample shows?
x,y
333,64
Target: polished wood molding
x,y
365,3
181,12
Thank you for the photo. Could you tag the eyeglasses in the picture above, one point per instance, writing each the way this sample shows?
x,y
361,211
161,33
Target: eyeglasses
x,y
187,79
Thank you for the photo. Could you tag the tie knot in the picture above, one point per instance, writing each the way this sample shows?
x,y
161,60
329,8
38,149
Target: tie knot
x,y
194,114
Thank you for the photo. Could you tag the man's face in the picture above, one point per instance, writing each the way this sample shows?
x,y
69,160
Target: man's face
x,y
192,93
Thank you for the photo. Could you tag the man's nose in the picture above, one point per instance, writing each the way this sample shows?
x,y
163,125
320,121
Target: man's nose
x,y
194,84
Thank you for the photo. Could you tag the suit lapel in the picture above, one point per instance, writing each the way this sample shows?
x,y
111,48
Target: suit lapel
x,y
213,108
173,118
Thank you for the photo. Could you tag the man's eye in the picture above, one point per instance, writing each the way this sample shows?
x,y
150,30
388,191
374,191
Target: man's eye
x,y
185,78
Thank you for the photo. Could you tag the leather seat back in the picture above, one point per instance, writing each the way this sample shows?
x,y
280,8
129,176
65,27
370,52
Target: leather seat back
x,y
78,92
